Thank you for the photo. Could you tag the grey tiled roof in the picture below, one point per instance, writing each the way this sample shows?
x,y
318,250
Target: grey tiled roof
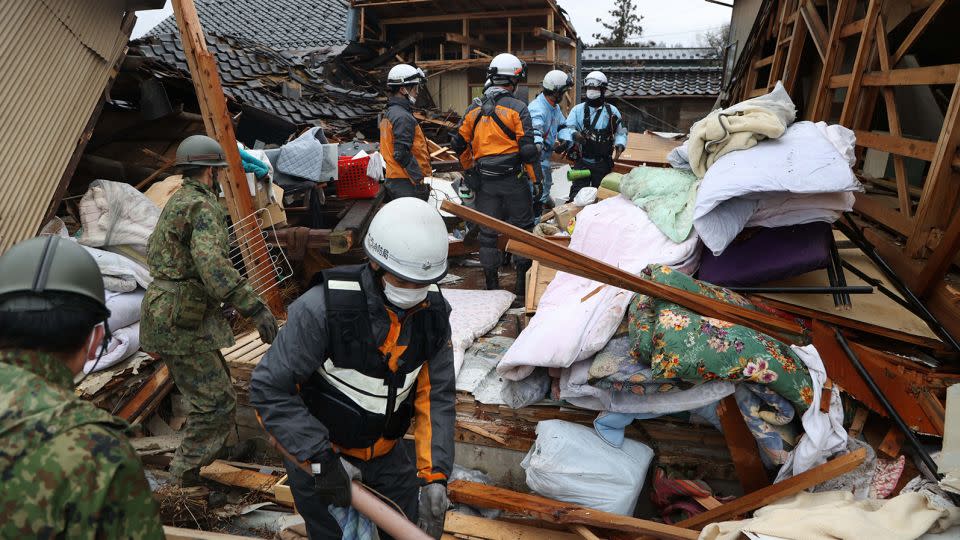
x,y
254,74
281,24
595,54
629,82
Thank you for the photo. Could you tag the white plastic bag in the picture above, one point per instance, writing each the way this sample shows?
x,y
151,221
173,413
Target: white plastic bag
x,y
585,196
571,463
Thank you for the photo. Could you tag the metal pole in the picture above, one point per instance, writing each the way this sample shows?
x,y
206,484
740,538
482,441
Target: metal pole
x,y
897,419
849,289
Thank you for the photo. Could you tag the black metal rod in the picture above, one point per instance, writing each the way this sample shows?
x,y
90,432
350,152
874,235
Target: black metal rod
x,y
838,269
832,278
922,311
880,287
850,289
897,419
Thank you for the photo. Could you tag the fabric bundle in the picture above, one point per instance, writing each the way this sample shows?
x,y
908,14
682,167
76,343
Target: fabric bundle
x,y
120,274
667,195
115,214
124,343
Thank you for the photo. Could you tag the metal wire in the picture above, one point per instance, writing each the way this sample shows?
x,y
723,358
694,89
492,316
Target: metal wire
x,y
272,273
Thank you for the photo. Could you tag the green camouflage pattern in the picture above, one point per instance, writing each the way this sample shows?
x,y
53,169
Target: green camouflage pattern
x,y
190,245
204,381
66,469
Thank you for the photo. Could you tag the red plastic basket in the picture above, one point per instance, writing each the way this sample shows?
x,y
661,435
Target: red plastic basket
x,y
352,179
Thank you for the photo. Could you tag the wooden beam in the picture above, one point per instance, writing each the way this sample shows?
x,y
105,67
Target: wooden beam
x,y
467,16
831,469
792,68
549,510
818,31
944,74
743,446
765,61
510,35
938,203
465,47
823,97
546,34
179,533
551,45
901,146
582,531
921,25
856,27
228,475
893,120
489,529
469,42
154,389
352,227
872,207
851,100
219,125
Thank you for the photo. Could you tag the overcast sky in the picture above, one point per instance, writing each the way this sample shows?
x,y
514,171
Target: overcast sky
x,y
673,21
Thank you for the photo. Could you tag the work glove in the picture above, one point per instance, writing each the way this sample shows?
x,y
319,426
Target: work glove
x,y
332,479
433,509
560,146
578,137
539,148
266,324
617,151
537,191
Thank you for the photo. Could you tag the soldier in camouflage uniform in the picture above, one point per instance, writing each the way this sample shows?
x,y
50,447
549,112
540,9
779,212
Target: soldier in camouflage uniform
x,y
181,317
66,468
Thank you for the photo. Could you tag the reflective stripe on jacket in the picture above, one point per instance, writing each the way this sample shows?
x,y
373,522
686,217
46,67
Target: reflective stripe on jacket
x,y
290,378
402,143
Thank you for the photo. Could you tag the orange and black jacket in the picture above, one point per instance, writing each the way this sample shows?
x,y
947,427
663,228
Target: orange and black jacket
x,y
495,149
402,144
348,373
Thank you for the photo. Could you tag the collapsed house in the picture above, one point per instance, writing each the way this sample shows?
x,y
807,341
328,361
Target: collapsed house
x,y
712,437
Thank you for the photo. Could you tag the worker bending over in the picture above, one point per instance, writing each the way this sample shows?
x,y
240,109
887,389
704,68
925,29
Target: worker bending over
x,y
66,468
597,130
496,145
182,319
402,144
366,350
547,121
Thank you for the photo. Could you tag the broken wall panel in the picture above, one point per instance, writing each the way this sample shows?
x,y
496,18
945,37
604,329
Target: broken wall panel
x,y
48,94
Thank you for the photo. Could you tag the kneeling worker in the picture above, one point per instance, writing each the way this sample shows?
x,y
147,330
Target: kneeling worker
x,y
66,468
402,143
365,351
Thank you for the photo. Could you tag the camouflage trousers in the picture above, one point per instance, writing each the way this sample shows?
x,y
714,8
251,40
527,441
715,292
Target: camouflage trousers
x,y
204,381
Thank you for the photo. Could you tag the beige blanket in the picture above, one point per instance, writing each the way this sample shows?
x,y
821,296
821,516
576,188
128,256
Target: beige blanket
x,y
739,127
835,515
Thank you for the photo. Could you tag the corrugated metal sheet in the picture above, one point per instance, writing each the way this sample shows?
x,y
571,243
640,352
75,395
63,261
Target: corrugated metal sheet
x,y
50,83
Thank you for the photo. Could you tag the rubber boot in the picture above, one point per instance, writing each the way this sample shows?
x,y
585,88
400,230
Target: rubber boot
x,y
492,279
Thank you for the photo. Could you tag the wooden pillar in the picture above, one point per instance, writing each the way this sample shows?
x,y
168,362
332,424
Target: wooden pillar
x,y
363,23
441,51
416,53
864,52
510,35
551,44
465,49
219,125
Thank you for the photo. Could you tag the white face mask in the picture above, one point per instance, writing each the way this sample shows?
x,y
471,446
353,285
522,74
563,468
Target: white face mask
x,y
593,94
404,298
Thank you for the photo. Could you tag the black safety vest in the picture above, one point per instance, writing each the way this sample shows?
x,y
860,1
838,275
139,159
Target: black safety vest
x,y
354,393
598,143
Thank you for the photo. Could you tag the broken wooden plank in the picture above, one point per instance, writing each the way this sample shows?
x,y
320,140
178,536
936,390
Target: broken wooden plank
x,y
743,447
490,529
155,387
831,469
553,511
584,532
180,533
223,473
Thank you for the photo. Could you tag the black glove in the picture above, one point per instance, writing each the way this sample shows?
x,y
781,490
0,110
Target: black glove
x,y
578,137
537,191
434,503
617,151
266,324
560,146
332,482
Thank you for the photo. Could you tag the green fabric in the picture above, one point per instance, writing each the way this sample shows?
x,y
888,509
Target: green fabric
x,y
612,181
66,469
679,344
188,253
667,195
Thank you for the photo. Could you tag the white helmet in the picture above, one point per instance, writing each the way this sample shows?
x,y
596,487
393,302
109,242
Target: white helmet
x,y
407,238
557,81
404,74
595,79
506,68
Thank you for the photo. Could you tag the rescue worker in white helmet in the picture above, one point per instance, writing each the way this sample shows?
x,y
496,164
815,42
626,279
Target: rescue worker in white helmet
x,y
548,120
495,141
402,143
597,128
364,351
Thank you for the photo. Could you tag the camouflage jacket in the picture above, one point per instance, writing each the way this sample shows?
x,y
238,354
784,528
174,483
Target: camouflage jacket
x,y
66,470
188,254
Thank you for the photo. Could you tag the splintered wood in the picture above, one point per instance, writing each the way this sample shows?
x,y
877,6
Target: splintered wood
x,y
226,474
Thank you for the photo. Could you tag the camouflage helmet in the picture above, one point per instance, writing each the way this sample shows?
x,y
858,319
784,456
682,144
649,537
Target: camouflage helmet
x,y
47,264
200,151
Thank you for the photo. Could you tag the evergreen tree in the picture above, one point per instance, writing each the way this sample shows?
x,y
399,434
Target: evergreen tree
x,y
625,27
